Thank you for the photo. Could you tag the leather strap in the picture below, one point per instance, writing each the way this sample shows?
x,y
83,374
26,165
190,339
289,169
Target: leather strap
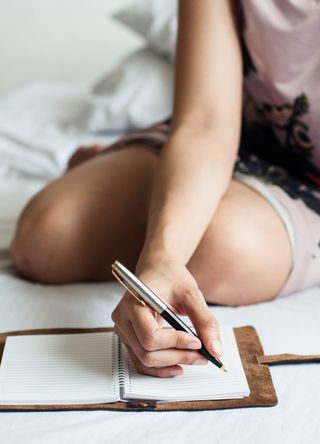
x,y
287,358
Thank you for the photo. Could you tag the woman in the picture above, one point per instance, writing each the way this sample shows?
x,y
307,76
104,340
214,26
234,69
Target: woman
x,y
175,202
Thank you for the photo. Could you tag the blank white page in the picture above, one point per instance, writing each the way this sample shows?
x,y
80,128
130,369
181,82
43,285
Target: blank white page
x,y
59,369
197,382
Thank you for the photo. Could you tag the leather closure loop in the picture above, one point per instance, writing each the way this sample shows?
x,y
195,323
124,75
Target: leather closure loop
x,y
287,358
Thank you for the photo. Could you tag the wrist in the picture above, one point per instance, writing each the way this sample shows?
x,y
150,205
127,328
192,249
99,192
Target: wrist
x,y
152,255
162,243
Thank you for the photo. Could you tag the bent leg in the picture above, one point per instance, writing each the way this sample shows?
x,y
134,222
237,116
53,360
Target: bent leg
x,y
76,226
245,254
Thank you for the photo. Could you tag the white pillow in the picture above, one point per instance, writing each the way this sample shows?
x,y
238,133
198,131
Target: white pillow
x,y
136,94
155,20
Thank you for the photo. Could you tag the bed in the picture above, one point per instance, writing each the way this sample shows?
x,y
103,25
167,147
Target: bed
x,y
40,125
29,158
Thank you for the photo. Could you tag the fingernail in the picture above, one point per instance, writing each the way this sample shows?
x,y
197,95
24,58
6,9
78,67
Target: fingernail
x,y
194,345
201,361
217,347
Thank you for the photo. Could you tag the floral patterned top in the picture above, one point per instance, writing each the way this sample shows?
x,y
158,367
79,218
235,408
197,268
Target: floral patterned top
x,y
281,132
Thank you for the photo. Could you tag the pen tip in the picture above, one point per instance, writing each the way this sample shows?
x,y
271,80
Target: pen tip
x,y
224,369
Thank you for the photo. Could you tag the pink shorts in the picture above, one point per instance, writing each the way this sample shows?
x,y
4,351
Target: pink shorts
x,y
296,202
303,228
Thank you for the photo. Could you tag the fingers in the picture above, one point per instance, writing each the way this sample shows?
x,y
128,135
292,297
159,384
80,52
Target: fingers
x,y
163,372
159,351
152,337
160,361
207,327
157,358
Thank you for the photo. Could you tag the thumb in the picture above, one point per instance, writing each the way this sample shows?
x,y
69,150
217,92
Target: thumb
x,y
207,327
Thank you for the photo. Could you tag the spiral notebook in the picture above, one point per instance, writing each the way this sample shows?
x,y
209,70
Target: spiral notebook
x,y
95,367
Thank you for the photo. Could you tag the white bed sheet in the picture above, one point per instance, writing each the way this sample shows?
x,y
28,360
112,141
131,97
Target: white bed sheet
x,y
286,325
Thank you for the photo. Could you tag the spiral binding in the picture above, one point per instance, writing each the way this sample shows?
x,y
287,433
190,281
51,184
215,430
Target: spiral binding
x,y
120,364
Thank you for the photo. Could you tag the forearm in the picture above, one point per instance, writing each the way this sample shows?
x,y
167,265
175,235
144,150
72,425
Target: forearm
x,y
192,175
196,164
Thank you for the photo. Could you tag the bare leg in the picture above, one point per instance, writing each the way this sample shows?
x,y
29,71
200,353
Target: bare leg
x,y
245,255
76,226
73,229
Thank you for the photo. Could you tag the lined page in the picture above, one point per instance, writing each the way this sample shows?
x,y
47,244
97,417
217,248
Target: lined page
x,y
196,383
59,369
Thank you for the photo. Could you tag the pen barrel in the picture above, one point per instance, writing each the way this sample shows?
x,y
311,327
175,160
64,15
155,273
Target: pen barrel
x,y
139,287
176,322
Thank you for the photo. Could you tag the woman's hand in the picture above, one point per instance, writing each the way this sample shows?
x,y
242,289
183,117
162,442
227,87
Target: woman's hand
x,y
158,351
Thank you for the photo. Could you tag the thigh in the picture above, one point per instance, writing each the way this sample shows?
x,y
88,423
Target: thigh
x,y
78,224
245,254
74,228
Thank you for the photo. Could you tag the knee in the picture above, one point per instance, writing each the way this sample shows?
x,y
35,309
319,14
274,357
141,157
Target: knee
x,y
44,243
229,273
230,259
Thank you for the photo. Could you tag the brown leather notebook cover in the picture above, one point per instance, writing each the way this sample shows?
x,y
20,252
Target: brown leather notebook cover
x,y
255,363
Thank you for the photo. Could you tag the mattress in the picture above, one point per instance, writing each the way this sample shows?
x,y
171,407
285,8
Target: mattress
x,y
290,324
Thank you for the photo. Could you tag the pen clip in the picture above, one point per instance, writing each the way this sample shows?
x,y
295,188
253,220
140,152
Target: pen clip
x,y
131,290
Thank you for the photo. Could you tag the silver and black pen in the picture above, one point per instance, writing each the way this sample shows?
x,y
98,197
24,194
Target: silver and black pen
x,y
147,297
